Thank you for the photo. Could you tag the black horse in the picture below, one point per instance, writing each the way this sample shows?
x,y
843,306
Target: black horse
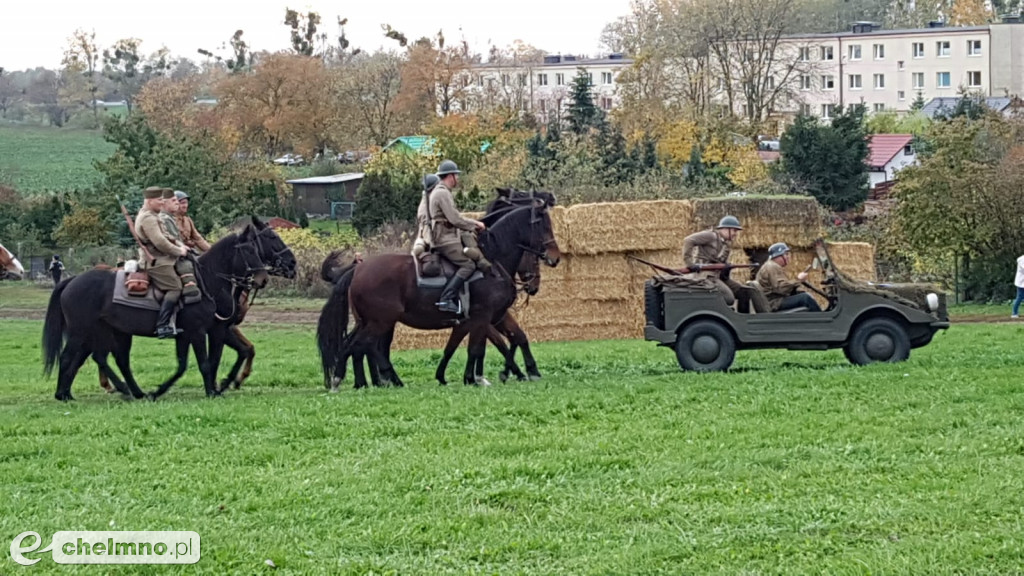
x,y
82,320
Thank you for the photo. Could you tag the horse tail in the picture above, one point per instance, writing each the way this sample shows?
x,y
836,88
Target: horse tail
x,y
332,328
53,329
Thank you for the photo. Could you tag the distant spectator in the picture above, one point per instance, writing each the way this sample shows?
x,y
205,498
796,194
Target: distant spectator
x,y
1018,281
56,269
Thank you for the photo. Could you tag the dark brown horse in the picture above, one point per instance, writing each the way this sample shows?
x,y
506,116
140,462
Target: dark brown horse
x,y
382,292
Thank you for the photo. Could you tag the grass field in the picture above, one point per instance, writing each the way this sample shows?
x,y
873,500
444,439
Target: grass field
x,y
795,462
39,158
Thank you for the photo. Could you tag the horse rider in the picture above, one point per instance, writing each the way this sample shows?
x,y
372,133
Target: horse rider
x,y
165,253
190,236
446,222
422,243
714,247
169,218
782,293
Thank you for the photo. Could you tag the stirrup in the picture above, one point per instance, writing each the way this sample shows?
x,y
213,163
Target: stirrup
x,y
446,306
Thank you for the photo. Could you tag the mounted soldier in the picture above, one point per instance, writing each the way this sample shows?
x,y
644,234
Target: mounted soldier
x,y
422,243
714,247
446,224
165,253
184,267
190,236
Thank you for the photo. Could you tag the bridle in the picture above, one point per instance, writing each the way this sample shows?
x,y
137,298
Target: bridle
x,y
276,266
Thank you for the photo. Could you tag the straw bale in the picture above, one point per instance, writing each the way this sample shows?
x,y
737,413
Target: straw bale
x,y
626,226
407,338
765,220
855,259
598,277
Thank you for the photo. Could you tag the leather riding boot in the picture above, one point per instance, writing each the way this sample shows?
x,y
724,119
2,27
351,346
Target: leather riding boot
x,y
450,301
163,324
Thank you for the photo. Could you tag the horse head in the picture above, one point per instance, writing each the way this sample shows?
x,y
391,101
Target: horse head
x,y
526,228
10,264
274,253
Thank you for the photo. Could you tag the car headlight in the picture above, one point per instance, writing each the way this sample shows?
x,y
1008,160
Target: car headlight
x,y
933,301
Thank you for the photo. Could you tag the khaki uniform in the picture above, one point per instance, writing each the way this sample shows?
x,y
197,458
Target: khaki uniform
x,y
774,283
446,223
189,235
164,251
708,247
423,220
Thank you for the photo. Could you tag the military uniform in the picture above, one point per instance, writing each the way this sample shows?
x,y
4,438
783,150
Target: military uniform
x,y
165,253
184,267
781,292
446,224
190,236
708,247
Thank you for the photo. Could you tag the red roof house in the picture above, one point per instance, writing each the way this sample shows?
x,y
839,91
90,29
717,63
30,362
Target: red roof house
x,y
887,155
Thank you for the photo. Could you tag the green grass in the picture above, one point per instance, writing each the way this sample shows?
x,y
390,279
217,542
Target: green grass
x,y
38,159
615,463
24,295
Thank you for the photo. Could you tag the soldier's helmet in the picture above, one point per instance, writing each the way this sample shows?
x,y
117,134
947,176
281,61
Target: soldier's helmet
x,y
429,181
180,195
448,167
729,222
777,249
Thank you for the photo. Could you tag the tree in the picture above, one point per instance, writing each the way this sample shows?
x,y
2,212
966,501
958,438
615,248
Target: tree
x,y
82,57
828,160
368,88
582,114
303,31
48,92
10,93
969,13
242,58
123,64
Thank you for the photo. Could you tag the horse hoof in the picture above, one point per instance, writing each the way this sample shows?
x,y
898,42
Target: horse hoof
x,y
481,381
503,377
238,386
333,389
534,377
152,396
127,397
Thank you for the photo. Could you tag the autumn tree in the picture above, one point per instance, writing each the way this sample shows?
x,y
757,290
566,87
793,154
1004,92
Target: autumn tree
x,y
508,87
241,59
82,57
969,13
10,93
367,90
129,70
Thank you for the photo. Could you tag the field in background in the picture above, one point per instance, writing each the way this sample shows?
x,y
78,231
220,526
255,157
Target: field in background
x,y
38,158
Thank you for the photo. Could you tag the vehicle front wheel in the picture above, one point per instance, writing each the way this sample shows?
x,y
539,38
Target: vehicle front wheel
x,y
878,340
705,346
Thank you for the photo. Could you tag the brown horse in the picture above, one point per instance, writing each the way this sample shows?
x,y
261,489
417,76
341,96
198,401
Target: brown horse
x,y
11,268
382,291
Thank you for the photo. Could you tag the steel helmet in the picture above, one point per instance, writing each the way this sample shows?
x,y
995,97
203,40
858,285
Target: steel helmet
x,y
429,181
777,249
180,195
448,167
729,222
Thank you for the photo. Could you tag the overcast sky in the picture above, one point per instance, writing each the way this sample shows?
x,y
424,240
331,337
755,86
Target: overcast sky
x,y
35,33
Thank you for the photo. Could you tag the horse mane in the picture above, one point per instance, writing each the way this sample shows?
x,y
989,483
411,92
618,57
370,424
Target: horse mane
x,y
500,238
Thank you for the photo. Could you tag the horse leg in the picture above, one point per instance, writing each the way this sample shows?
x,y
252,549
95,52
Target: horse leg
x,y
71,360
122,354
216,337
107,373
517,338
454,340
250,352
181,343
475,357
384,345
376,340
496,338
105,383
203,359
234,340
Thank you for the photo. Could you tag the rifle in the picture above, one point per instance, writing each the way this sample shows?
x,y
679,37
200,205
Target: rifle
x,y
131,228
680,271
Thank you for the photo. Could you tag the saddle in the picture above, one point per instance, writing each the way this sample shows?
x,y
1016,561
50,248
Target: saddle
x,y
133,288
433,272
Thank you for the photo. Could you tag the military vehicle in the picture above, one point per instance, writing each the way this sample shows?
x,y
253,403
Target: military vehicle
x,y
870,322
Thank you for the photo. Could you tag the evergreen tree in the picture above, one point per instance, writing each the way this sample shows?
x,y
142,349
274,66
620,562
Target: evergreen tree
x,y
918,102
829,159
582,113
378,202
649,156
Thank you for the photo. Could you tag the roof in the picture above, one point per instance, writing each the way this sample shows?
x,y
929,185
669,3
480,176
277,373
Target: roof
x,y
278,223
421,144
769,155
948,103
894,32
335,179
882,148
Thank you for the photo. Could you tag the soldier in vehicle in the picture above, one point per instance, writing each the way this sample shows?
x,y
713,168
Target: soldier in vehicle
x,y
714,247
446,223
782,293
165,253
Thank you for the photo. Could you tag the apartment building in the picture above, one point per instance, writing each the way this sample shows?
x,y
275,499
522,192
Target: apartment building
x,y
888,69
544,87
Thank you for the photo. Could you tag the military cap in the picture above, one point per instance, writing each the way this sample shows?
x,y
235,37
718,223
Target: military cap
x,y
168,193
152,192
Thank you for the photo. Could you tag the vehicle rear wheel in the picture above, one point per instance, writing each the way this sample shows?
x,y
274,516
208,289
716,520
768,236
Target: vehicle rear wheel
x,y
705,346
878,340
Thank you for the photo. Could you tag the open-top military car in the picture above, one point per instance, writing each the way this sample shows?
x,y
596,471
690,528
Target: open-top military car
x,y
870,322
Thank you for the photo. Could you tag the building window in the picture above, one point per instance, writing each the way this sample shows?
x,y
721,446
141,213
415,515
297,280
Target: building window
x,y
606,103
879,107
974,79
805,54
522,79
918,49
879,81
901,95
805,82
590,78
560,79
827,110
879,51
606,77
855,52
855,82
942,48
900,65
828,82
826,53
504,79
942,79
542,79
805,109
917,79
543,105
908,150
771,82
974,47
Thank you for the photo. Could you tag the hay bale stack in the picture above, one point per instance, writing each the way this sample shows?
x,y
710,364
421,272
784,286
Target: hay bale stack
x,y
627,226
410,339
574,319
599,277
855,259
791,219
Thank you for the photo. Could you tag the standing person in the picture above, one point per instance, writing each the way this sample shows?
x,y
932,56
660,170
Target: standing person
x,y
56,269
1018,281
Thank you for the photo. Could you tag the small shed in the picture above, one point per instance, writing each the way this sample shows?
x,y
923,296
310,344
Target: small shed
x,y
326,195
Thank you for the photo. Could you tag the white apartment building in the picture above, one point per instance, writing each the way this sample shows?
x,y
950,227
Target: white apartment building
x,y
544,87
887,69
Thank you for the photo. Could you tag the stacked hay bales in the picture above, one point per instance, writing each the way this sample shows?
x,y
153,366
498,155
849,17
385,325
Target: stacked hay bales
x,y
596,292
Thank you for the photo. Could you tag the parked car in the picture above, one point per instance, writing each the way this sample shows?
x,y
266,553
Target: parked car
x,y
290,160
